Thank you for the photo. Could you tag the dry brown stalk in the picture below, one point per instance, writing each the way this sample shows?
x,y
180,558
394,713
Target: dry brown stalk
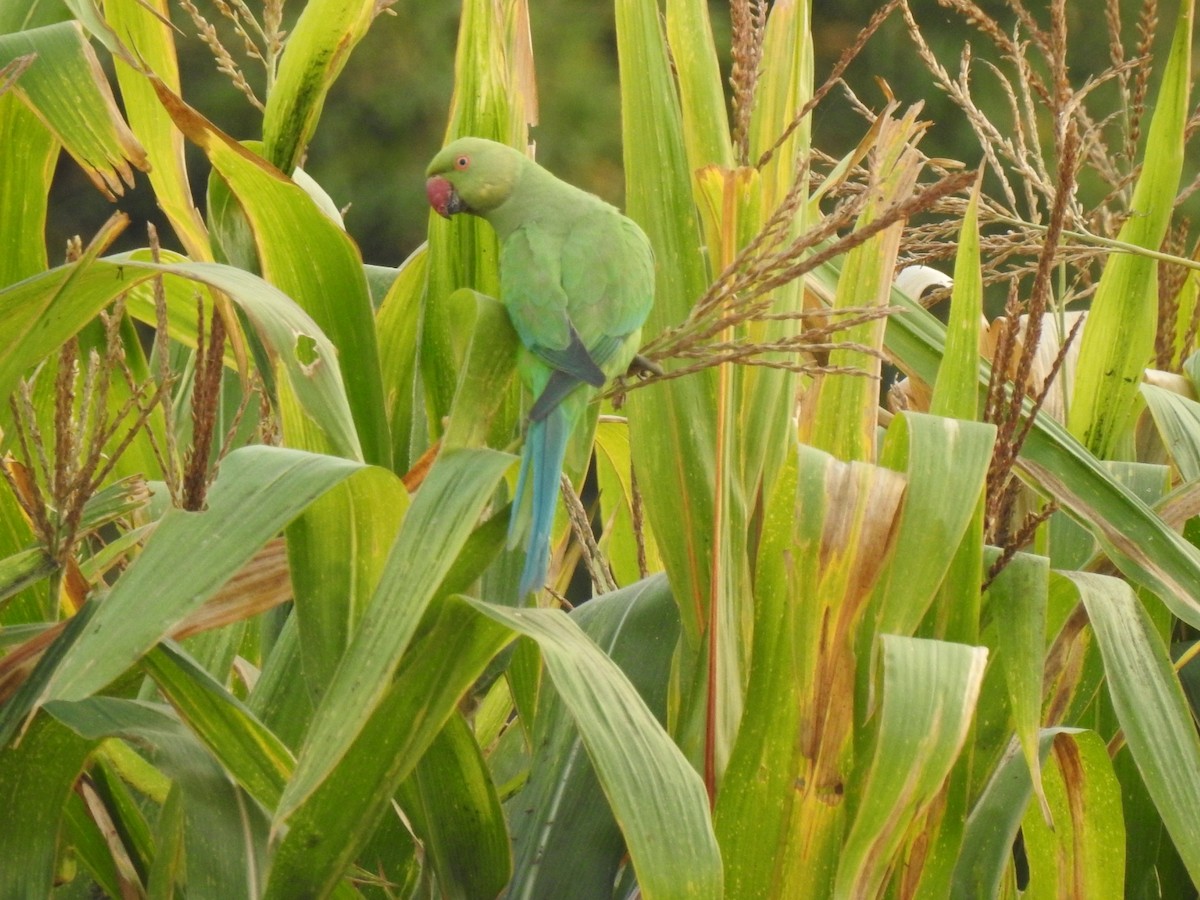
x,y
835,77
603,581
1005,404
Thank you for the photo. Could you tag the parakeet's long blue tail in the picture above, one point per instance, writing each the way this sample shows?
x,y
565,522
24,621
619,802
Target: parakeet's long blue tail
x,y
541,468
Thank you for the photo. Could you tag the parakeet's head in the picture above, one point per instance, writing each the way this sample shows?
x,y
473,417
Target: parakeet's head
x,y
472,175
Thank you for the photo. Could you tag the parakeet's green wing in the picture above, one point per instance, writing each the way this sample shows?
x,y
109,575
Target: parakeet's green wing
x,y
608,277
532,287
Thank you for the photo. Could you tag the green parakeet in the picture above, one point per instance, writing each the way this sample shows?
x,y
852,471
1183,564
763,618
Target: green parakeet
x,y
577,279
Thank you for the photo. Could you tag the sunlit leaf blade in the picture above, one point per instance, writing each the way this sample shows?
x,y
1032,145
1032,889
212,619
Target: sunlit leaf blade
x,y
844,424
701,92
337,818
463,827
561,814
28,151
442,516
656,797
992,825
36,777
144,27
672,428
67,89
782,90
312,260
246,749
59,302
224,831
398,330
1178,421
827,536
941,457
190,556
1150,706
317,50
48,307
1080,857
1017,598
955,393
1118,336
929,694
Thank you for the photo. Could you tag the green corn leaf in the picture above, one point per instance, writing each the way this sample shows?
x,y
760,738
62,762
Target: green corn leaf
x,y
827,537
144,27
45,310
339,813
336,553
673,428
494,97
941,458
246,749
312,260
189,557
23,569
65,86
1139,542
1118,336
1081,856
437,525
1150,706
224,832
929,694
37,777
844,420
397,328
656,797
1178,422
992,825
1018,598
28,151
701,93
955,393
462,825
317,50
566,840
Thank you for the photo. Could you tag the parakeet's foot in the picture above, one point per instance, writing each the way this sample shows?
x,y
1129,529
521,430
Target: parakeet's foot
x,y
643,367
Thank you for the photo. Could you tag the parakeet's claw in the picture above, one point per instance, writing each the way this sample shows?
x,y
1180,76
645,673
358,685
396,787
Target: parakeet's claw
x,y
643,367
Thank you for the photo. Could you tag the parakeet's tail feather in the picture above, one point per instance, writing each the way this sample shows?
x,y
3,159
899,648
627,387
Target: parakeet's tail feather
x,y
556,390
518,519
541,466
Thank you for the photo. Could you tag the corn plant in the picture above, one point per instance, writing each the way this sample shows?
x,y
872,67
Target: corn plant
x,y
260,628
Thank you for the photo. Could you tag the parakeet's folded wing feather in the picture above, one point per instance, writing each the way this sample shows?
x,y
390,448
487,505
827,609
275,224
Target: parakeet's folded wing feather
x,y
608,277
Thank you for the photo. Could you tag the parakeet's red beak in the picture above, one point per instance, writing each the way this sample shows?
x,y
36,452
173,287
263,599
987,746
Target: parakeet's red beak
x,y
442,197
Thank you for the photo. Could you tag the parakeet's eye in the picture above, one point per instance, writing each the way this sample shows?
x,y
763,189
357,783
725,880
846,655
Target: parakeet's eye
x,y
462,162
